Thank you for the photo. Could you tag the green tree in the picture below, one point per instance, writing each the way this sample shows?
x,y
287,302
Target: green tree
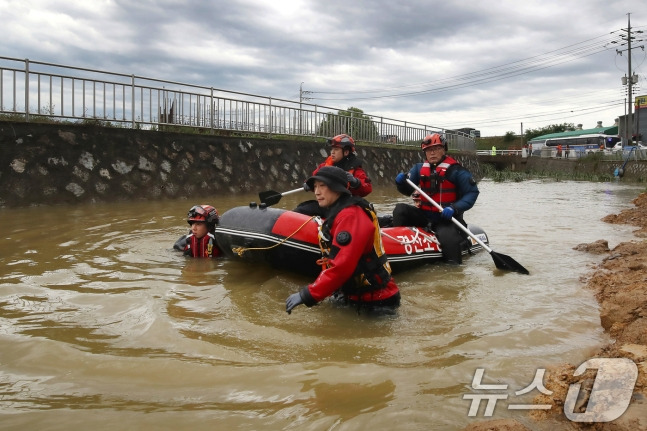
x,y
509,137
351,121
553,128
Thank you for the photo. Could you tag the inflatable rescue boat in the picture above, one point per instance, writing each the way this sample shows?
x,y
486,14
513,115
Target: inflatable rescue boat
x,y
288,240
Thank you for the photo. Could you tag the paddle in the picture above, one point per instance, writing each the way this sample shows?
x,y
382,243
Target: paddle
x,y
500,260
270,197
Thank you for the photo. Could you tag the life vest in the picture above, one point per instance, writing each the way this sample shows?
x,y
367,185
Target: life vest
x,y
203,247
436,185
373,270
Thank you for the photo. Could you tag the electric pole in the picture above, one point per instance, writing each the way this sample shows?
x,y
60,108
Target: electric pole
x,y
630,79
630,101
301,99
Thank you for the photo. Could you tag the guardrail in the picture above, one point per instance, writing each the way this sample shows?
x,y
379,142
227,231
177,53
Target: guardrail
x,y
633,153
498,153
33,88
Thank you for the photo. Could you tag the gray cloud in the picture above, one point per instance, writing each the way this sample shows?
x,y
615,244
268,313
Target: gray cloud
x,y
489,65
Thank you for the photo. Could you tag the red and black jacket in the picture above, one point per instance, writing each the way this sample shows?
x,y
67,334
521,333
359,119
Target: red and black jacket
x,y
356,262
352,164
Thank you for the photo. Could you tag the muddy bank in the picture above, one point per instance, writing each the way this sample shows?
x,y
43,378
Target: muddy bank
x,y
620,285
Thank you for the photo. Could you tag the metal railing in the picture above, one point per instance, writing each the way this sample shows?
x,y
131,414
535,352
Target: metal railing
x,y
499,153
629,153
32,88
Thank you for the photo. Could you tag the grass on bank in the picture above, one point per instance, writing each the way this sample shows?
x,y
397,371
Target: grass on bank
x,y
488,171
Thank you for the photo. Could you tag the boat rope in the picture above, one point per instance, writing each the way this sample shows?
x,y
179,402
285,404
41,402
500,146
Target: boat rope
x,y
241,250
323,262
412,240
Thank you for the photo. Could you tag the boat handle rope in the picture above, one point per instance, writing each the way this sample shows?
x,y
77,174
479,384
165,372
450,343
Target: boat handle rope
x,y
241,250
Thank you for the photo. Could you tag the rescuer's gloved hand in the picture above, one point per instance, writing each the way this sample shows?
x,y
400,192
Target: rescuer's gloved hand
x,y
352,181
401,178
448,213
292,301
306,187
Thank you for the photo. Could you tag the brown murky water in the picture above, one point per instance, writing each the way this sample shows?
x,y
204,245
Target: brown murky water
x,y
104,326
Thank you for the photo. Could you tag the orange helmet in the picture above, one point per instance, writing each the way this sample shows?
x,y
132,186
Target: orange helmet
x,y
205,213
342,141
433,140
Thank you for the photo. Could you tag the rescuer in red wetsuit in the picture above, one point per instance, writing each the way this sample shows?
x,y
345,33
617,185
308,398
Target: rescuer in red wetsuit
x,y
344,156
355,267
201,242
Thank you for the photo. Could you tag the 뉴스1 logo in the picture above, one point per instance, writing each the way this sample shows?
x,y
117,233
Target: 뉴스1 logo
x,y
611,392
608,399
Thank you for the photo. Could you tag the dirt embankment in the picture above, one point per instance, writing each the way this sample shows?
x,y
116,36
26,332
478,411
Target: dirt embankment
x,y
620,286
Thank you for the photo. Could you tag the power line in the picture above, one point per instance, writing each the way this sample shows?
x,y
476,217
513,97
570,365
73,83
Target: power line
x,y
520,67
589,110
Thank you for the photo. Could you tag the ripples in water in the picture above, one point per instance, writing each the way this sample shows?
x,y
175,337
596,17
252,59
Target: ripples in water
x,y
101,321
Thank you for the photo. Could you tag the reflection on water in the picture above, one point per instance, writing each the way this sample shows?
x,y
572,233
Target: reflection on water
x,y
103,324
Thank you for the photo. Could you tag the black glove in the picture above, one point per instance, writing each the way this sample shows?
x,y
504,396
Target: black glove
x,y
353,182
306,187
292,301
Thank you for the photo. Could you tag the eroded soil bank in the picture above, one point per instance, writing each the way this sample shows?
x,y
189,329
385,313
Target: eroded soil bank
x,y
620,285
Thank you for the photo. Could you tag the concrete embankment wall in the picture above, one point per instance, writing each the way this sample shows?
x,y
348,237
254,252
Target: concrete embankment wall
x,y
48,164
634,170
44,164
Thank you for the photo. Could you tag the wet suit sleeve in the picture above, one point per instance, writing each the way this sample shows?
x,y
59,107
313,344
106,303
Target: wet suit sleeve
x,y
365,183
468,192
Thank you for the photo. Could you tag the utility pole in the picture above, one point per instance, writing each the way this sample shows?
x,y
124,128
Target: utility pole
x,y
630,79
301,99
630,100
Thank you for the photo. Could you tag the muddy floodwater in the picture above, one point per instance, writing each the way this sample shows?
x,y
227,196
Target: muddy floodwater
x,y
103,326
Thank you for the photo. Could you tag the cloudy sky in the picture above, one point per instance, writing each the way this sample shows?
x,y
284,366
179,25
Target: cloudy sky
x,y
493,65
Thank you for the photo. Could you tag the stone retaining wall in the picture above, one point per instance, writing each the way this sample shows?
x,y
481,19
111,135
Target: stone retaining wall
x,y
634,170
44,164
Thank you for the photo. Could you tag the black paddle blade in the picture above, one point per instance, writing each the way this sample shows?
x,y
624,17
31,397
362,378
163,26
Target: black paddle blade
x,y
506,262
269,197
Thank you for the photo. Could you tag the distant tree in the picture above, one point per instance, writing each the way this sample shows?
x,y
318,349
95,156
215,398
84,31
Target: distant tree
x,y
351,121
509,137
553,128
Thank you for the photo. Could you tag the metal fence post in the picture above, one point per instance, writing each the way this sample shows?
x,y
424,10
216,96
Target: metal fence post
x,y
132,102
26,89
211,113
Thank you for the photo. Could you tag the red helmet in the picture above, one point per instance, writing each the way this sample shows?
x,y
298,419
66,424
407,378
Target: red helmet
x,y
433,140
205,213
342,141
